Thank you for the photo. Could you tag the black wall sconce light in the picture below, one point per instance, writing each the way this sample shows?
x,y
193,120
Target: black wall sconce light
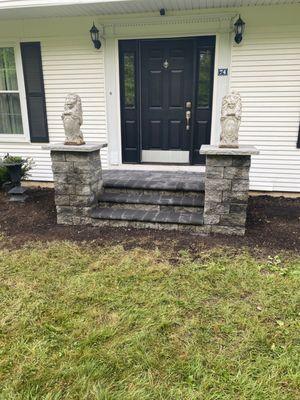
x,y
239,29
95,36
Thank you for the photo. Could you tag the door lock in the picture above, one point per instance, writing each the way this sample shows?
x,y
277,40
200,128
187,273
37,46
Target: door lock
x,y
188,115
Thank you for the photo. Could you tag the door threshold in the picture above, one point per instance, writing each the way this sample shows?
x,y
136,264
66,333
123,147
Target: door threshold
x,y
165,156
159,167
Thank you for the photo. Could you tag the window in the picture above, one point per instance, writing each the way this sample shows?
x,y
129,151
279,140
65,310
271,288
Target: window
x,y
129,80
10,107
205,81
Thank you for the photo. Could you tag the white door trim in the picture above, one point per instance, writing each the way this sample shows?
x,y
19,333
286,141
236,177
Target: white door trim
x,y
185,26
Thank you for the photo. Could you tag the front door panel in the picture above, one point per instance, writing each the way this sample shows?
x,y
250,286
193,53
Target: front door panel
x,y
160,81
166,76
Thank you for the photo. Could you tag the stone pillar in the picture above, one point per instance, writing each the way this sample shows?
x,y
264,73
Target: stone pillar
x,y
227,188
77,176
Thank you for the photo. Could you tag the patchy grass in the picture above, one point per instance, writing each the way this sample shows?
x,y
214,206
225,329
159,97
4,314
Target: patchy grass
x,y
107,324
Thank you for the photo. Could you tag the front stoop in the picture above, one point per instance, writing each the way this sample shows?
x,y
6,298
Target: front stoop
x,y
158,200
86,195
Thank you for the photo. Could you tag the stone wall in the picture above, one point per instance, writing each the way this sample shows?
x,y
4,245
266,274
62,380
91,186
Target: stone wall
x,y
226,193
78,184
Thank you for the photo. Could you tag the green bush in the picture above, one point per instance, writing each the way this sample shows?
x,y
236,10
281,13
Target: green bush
x,y
3,175
27,164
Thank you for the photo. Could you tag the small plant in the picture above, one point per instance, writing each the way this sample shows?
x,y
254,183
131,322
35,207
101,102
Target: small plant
x,y
276,265
274,262
4,177
14,168
8,160
26,167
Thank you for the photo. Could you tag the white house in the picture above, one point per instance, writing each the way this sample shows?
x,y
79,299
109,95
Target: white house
x,y
153,90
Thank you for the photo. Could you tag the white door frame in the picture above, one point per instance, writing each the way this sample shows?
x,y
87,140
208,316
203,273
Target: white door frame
x,y
219,25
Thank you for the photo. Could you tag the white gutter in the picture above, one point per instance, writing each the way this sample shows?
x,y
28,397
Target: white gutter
x,y
15,4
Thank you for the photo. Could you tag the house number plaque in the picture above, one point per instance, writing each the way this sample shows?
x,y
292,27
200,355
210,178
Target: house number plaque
x,y
222,71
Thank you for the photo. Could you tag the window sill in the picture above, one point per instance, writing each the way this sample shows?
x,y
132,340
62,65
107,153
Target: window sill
x,y
14,139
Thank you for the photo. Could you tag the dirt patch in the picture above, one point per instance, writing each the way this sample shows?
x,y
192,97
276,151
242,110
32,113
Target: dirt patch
x,y
273,225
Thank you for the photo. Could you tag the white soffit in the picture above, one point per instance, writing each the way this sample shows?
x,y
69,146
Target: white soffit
x,y
67,8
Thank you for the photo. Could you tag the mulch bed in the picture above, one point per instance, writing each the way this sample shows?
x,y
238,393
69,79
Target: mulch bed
x,y
273,225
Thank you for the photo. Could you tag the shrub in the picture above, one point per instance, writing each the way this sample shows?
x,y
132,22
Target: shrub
x,y
3,175
27,164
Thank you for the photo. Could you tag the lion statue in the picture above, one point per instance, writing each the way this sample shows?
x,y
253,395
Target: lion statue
x,y
72,120
231,115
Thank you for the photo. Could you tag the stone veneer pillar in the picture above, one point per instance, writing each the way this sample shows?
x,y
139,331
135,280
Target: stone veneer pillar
x,y
227,188
77,176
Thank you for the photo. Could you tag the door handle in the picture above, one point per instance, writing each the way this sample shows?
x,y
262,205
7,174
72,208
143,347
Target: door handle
x,y
188,115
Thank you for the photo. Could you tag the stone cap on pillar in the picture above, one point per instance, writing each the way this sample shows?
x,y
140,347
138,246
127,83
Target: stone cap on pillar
x,y
224,151
83,148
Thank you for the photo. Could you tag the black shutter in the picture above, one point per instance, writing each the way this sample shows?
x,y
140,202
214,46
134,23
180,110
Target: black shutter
x,y
35,93
298,143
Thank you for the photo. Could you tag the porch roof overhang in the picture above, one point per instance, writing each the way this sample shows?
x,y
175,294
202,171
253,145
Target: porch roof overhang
x,y
23,9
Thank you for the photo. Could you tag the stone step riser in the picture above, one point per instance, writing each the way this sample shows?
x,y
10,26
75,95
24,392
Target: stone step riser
x,y
150,207
194,229
145,216
152,192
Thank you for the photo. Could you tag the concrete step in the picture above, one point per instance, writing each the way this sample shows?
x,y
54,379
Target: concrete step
x,y
148,181
165,186
161,217
151,192
152,199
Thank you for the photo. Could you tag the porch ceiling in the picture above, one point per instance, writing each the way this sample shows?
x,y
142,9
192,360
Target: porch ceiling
x,y
10,9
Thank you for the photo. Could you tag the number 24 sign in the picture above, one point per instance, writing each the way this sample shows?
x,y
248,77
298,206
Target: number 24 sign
x,y
222,71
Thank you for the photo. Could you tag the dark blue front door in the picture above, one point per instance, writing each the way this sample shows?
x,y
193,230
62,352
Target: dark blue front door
x,y
166,98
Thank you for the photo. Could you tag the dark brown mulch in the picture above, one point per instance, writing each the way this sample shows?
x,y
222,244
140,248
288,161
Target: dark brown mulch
x,y
273,225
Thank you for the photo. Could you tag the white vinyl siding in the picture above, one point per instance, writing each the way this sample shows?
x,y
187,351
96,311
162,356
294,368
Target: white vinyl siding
x,y
265,68
69,65
266,71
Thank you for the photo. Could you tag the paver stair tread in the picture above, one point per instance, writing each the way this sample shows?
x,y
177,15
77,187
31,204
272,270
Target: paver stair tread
x,y
170,185
157,199
169,217
154,180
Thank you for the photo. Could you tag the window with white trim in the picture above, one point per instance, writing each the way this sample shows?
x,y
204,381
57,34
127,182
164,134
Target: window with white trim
x,y
10,106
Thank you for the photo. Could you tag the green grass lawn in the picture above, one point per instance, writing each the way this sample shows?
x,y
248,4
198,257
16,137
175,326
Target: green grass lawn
x,y
78,322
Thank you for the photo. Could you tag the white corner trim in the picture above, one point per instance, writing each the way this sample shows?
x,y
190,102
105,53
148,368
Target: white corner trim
x,y
221,83
113,107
